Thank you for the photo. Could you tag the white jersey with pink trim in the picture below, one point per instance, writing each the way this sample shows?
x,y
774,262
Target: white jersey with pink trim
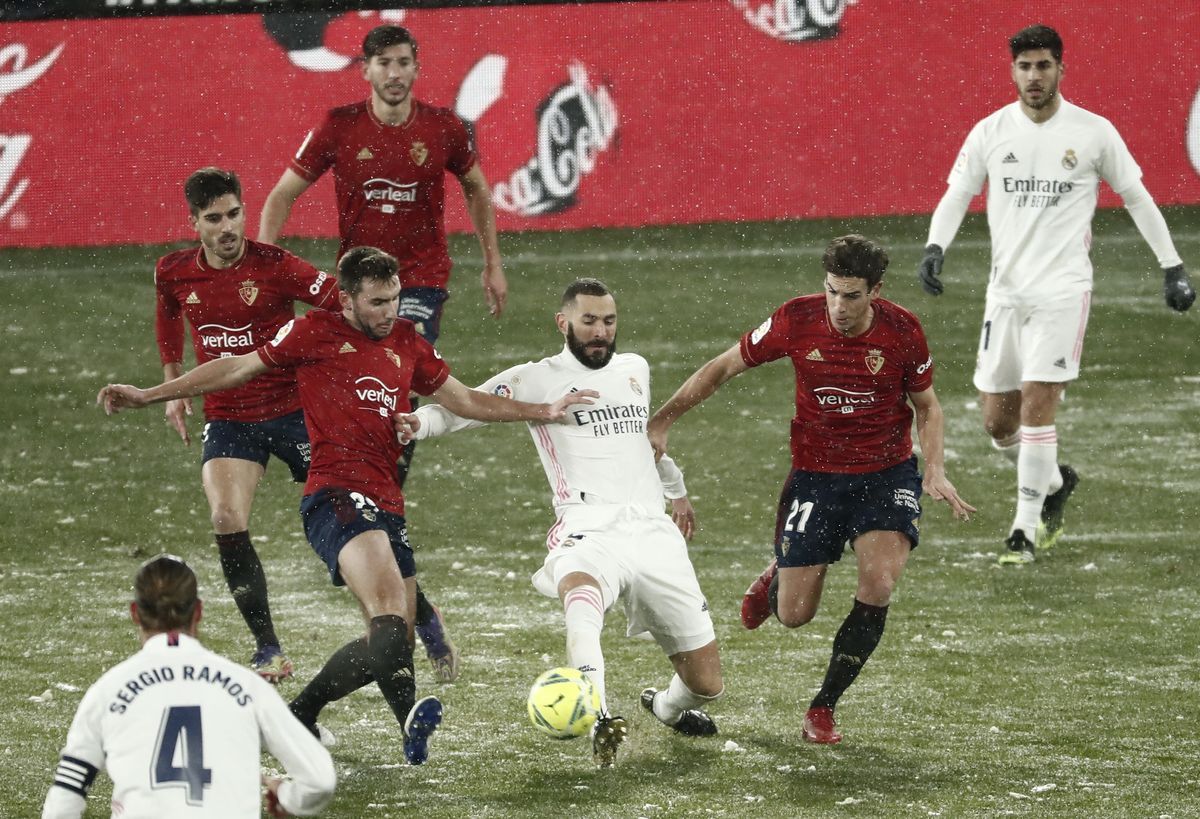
x,y
1043,181
600,454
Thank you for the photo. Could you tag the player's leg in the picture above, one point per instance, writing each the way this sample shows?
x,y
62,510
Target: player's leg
x,y
367,565
696,683
884,510
1002,422
583,612
1051,349
233,467
664,598
810,533
881,558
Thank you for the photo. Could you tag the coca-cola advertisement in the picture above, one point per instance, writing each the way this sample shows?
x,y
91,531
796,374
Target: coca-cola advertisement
x,y
593,115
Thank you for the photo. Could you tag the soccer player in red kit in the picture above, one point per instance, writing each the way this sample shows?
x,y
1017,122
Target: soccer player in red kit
x,y
860,361
236,295
355,370
390,155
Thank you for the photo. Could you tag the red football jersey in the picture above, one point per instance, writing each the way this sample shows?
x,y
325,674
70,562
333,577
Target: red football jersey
x,y
231,312
852,413
391,182
350,387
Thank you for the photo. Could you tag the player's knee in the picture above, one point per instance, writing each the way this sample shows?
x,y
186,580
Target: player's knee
x,y
876,591
1000,427
796,615
228,518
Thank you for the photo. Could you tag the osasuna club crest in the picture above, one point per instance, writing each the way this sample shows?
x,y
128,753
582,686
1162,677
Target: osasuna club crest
x,y
418,152
875,361
248,292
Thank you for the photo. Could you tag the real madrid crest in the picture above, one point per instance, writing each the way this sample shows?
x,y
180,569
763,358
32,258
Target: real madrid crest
x,y
418,152
635,386
874,361
395,359
1069,160
248,292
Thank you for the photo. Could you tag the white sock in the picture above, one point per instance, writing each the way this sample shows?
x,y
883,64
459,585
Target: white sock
x,y
583,607
1009,447
669,705
1036,466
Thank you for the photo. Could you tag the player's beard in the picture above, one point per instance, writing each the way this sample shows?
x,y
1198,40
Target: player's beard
x,y
376,332
584,352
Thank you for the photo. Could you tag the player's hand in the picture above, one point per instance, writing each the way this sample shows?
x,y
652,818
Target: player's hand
x,y
116,397
938,487
495,288
657,433
1177,288
177,412
406,424
275,809
684,516
930,269
558,410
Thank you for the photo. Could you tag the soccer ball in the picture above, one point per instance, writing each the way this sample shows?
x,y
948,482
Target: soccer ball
x,y
563,703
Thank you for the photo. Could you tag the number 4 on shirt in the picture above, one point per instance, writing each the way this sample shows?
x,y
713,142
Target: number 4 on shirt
x,y
179,754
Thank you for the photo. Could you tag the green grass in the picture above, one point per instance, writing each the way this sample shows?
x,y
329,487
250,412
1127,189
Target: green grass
x,y
1068,688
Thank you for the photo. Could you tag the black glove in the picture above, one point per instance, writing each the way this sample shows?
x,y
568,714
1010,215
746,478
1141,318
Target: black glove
x,y
1178,290
930,268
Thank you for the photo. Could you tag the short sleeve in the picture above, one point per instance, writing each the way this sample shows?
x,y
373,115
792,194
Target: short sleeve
x,y
769,340
293,345
430,371
460,154
303,282
317,151
918,364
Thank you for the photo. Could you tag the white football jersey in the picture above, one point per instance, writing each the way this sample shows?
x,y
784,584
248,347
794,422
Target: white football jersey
x,y
1043,181
600,454
179,731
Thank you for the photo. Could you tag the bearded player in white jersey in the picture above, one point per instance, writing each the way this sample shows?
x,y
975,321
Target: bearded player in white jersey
x,y
179,728
1043,159
612,539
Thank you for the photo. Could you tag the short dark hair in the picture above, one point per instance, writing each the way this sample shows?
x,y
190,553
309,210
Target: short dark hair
x,y
855,257
361,263
165,592
207,185
381,38
584,287
1034,38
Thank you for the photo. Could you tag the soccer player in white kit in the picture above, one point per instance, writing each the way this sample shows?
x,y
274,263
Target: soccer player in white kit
x,y
1043,159
611,540
179,729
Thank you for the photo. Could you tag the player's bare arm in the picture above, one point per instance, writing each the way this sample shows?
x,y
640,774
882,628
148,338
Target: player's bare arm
x,y
177,410
478,196
481,406
699,386
930,424
211,376
279,204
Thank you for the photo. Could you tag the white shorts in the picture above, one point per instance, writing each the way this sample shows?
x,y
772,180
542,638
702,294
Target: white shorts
x,y
639,558
1040,342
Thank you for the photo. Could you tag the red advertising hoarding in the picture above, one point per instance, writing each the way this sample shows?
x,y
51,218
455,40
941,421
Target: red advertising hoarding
x,y
586,116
